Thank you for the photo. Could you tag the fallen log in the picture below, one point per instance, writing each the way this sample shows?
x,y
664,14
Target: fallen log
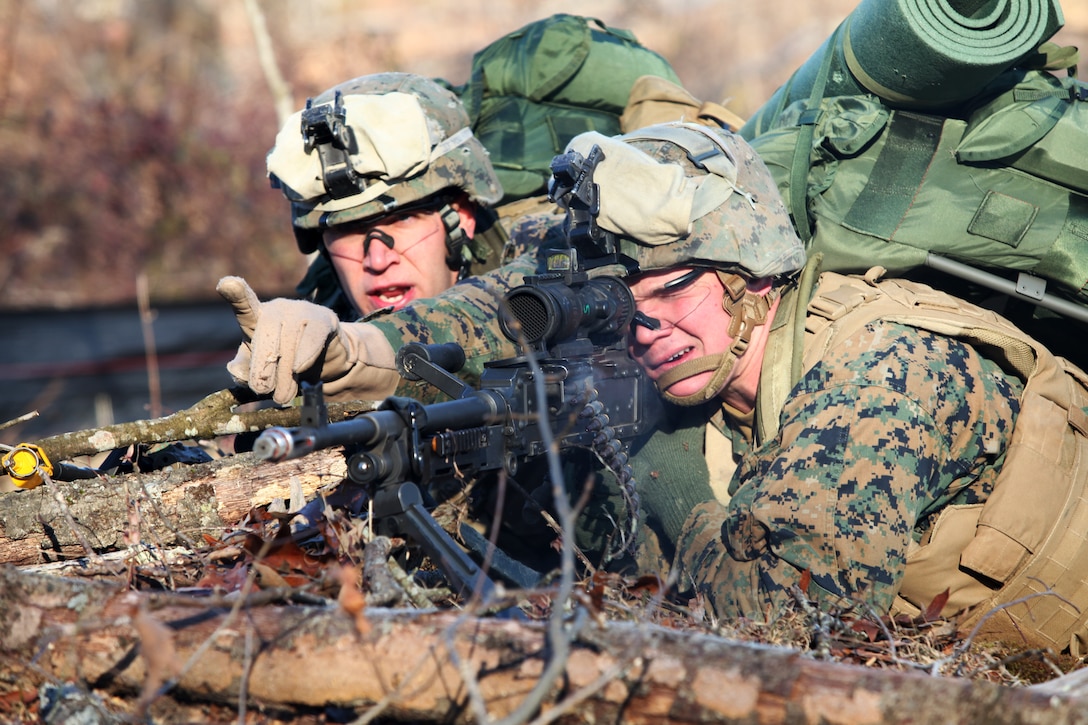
x,y
452,667
167,508
174,505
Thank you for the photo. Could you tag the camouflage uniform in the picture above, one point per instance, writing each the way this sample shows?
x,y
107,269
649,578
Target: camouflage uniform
x,y
467,312
914,421
879,436
890,426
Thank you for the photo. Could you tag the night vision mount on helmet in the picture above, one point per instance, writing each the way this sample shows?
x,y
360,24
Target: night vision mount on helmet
x,y
377,145
686,195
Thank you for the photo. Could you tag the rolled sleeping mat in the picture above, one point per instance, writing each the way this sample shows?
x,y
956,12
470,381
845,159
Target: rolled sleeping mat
x,y
926,55
937,53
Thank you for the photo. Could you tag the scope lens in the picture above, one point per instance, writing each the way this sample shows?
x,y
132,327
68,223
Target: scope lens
x,y
556,312
531,314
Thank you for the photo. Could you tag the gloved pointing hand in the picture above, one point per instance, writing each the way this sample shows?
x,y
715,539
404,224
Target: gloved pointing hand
x,y
292,340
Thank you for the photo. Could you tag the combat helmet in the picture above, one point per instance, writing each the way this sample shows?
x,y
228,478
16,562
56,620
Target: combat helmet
x,y
689,195
375,145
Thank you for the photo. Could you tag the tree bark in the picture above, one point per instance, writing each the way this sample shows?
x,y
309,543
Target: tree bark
x,y
165,508
422,666
210,417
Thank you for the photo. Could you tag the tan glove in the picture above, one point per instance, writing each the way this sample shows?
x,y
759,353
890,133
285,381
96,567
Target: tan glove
x,y
288,341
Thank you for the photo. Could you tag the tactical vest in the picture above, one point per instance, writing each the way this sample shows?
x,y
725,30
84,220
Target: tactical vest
x,y
1026,547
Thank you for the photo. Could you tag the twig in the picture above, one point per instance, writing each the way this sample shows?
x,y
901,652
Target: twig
x,y
243,599
247,666
16,421
383,589
58,497
362,536
390,697
136,530
267,56
558,640
962,649
582,694
475,695
875,617
420,597
554,526
819,620
166,520
228,620
147,318
492,540
212,416
1042,654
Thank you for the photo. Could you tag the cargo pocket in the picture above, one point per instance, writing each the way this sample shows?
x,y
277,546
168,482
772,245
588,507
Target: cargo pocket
x,y
935,567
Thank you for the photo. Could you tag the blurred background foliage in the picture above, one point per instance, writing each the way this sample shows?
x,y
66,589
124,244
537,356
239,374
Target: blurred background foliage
x,y
133,132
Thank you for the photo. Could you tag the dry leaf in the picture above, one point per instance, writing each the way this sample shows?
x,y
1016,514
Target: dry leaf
x,y
350,599
933,610
806,579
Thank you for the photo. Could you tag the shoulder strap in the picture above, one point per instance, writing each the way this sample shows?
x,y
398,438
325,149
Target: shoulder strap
x,y
782,363
802,150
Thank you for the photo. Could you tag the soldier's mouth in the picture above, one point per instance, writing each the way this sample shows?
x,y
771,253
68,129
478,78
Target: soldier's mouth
x,y
658,368
391,295
677,356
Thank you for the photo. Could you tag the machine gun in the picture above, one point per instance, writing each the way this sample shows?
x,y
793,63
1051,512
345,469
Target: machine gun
x,y
573,386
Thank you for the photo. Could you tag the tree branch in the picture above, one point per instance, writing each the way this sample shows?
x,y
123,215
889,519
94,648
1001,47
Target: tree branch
x,y
211,417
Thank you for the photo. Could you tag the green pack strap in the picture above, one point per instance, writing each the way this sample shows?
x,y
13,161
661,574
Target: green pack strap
x,y
1054,57
1030,95
784,355
802,151
911,141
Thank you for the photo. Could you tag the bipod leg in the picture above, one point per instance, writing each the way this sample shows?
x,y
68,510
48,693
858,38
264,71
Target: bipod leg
x,y
402,505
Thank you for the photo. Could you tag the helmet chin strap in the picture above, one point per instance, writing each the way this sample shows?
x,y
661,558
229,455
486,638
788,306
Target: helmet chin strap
x,y
458,254
747,311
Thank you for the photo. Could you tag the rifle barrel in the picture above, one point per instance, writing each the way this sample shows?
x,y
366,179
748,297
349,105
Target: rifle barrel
x,y
281,444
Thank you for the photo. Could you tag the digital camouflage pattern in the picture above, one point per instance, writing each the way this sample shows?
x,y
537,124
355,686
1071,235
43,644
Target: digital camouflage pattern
x,y
893,425
467,313
910,420
889,428
458,160
750,232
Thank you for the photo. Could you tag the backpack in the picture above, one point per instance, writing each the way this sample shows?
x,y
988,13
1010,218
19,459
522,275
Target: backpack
x,y
1031,534
991,194
533,90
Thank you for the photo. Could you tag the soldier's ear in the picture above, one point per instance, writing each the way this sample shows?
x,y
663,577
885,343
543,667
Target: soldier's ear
x,y
466,210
